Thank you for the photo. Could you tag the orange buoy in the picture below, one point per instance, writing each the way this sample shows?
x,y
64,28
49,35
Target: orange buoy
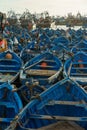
x,y
8,56
43,64
80,65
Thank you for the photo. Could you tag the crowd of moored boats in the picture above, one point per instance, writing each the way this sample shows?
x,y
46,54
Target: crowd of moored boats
x,y
43,78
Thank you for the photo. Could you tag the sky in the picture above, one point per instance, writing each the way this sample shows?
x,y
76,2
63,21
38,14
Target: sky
x,y
54,7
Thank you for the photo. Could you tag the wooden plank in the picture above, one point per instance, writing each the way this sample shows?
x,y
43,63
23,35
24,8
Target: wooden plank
x,y
41,72
9,71
76,103
79,68
78,74
77,63
63,118
9,60
6,120
4,78
49,60
81,103
6,66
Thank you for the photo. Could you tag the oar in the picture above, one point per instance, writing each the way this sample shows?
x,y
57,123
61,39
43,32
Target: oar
x,y
34,64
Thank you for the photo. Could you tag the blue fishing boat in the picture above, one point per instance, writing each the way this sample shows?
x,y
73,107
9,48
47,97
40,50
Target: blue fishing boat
x,y
32,88
43,66
81,46
60,51
38,74
63,40
10,65
10,104
30,51
76,67
64,101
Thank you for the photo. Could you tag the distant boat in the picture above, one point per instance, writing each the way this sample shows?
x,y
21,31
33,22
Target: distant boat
x,y
10,65
10,104
81,46
64,101
44,22
61,40
30,51
60,51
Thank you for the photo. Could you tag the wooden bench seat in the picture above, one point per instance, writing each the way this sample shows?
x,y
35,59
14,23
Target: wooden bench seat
x,y
41,72
62,118
78,74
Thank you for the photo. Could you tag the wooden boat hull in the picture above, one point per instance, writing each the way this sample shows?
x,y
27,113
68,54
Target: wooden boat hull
x,y
64,101
76,68
10,105
30,51
39,74
43,66
9,68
